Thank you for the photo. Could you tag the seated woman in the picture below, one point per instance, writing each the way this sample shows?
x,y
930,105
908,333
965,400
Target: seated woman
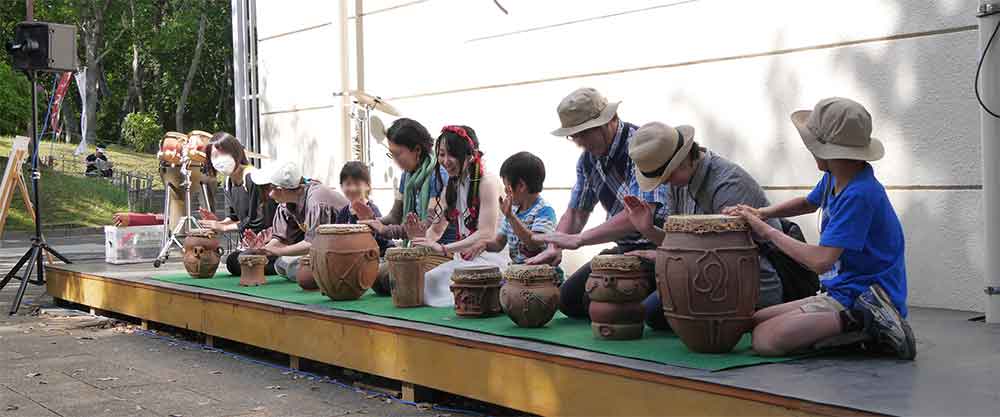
x,y
249,206
411,147
355,180
471,203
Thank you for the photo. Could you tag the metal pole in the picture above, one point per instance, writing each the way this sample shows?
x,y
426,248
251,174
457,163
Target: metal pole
x,y
345,81
359,42
989,89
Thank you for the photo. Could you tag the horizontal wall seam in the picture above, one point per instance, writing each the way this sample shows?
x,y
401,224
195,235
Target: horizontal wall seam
x,y
388,9
696,62
296,110
267,38
573,22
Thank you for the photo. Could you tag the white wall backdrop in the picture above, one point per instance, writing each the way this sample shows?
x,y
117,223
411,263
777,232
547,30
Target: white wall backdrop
x,y
734,69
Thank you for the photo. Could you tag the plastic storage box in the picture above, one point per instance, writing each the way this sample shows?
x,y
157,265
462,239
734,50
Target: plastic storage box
x,y
130,245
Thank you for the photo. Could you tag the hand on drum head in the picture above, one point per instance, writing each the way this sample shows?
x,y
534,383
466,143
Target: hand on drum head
x,y
647,254
550,256
376,225
474,251
752,216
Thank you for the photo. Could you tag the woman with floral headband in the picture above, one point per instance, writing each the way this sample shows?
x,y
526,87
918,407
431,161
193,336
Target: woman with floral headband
x,y
471,203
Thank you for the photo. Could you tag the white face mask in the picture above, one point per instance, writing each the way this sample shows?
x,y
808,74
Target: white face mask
x,y
224,164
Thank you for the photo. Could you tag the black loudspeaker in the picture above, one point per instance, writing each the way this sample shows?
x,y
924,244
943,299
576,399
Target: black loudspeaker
x,y
41,46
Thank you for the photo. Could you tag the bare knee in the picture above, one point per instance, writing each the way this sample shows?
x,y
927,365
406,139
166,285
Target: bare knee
x,y
766,343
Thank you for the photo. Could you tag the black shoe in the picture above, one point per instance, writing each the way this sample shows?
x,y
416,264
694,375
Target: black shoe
x,y
884,323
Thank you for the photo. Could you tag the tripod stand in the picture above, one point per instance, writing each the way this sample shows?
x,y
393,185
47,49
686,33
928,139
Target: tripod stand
x,y
34,257
185,223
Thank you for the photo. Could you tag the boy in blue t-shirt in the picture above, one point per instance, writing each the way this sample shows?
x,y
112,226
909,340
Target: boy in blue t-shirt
x,y
860,253
526,214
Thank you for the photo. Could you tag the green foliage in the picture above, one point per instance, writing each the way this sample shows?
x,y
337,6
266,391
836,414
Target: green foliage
x,y
141,131
15,101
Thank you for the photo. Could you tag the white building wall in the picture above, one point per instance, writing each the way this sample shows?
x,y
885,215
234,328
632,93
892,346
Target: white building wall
x,y
734,69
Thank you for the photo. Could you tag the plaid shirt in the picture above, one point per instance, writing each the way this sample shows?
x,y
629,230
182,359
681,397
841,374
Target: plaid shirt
x,y
608,178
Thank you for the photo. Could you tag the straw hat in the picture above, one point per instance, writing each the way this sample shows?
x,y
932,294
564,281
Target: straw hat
x,y
583,109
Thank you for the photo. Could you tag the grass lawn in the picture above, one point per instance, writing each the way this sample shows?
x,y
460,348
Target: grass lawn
x,y
71,198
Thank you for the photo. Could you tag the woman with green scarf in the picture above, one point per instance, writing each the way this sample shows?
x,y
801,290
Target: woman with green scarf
x,y
411,147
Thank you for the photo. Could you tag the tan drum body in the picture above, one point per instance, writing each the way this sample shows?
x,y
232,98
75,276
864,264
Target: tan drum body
x,y
708,275
344,260
477,291
197,146
407,267
172,148
530,297
616,287
252,268
202,253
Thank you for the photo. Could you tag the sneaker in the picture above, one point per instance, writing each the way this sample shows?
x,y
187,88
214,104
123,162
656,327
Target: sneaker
x,y
884,324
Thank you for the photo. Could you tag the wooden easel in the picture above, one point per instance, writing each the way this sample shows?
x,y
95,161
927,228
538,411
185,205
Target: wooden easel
x,y
14,177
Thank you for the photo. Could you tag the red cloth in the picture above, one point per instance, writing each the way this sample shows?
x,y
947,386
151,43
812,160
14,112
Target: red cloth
x,y
137,219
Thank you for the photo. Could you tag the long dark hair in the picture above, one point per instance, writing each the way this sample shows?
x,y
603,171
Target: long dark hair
x,y
230,146
463,145
413,135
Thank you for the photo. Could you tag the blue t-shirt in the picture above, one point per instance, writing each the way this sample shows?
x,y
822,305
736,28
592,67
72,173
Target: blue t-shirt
x,y
539,218
436,190
861,220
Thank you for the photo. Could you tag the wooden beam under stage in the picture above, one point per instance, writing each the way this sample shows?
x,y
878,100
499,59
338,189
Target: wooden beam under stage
x,y
524,375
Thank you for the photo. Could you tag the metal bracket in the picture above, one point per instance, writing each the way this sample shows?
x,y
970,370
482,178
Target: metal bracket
x,y
988,8
992,290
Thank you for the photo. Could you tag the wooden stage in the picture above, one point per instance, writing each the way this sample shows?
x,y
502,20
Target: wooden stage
x,y
954,373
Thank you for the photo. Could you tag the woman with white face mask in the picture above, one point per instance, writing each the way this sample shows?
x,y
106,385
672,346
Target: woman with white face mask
x,y
249,207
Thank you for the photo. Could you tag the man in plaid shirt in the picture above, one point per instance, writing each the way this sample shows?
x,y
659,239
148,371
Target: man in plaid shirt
x,y
604,174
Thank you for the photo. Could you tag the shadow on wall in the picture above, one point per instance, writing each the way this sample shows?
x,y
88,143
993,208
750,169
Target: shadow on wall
x,y
908,87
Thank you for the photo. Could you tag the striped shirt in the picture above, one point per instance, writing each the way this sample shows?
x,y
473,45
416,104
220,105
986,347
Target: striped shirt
x,y
540,218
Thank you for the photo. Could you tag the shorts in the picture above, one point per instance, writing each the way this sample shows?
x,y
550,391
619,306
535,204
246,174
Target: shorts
x,y
821,303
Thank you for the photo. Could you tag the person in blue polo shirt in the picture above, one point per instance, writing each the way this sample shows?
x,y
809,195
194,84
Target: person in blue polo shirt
x,y
860,255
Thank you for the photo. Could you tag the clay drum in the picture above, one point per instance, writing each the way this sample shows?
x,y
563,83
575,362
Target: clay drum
x,y
172,148
304,276
477,291
616,287
252,269
708,276
344,260
530,297
197,146
202,253
407,267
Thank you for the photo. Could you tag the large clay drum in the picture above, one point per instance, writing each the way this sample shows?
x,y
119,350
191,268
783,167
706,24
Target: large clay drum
x,y
477,291
197,146
616,287
344,260
202,253
407,267
530,297
708,276
172,148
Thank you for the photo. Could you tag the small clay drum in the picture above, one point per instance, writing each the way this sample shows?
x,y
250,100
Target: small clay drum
x,y
530,297
197,146
477,291
172,148
407,267
616,287
344,260
252,270
202,253
304,276
708,275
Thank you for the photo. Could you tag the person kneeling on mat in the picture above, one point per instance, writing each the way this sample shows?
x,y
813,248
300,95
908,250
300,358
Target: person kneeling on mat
x,y
303,205
861,248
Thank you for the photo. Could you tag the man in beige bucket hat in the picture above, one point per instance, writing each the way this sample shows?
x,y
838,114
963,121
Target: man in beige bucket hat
x,y
860,254
604,174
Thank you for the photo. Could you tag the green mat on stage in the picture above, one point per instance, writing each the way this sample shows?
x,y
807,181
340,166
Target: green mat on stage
x,y
655,346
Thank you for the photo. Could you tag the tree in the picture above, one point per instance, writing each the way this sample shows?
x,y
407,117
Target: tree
x,y
182,102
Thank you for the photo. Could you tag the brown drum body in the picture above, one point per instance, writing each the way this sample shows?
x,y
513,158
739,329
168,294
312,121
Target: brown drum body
x,y
708,276
172,148
252,270
407,267
530,297
202,253
305,276
477,291
616,287
197,146
344,260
